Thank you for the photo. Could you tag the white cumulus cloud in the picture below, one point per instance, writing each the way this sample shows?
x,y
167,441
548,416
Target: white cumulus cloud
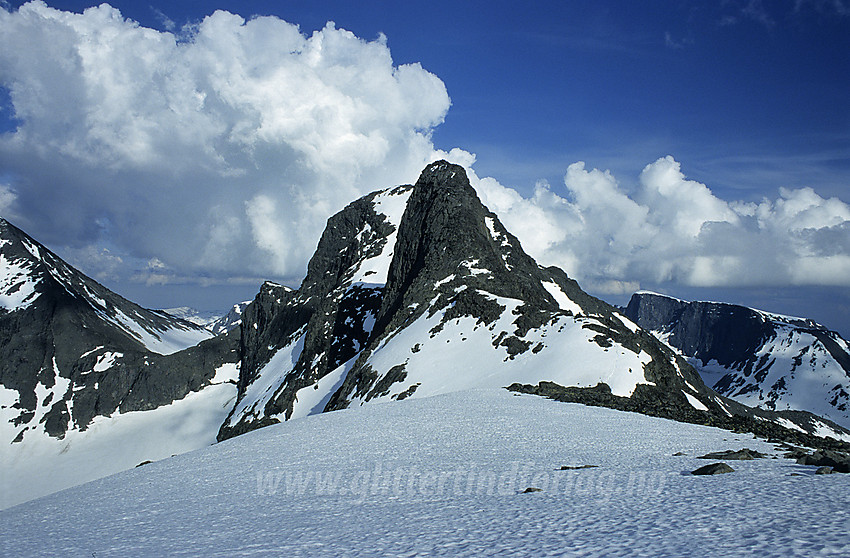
x,y
219,149
675,230
7,200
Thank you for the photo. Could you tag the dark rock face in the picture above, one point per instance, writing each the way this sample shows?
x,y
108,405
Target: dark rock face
x,y
707,331
445,224
714,469
329,317
73,350
267,323
757,358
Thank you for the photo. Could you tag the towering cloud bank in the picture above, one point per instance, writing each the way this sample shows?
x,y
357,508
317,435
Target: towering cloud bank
x,y
236,137
671,229
220,151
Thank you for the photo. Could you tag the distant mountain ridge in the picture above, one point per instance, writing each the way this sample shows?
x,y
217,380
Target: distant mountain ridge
x,y
75,357
758,358
74,350
215,323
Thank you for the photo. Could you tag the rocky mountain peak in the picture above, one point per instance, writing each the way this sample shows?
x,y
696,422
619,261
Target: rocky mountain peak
x,y
410,283
419,290
449,242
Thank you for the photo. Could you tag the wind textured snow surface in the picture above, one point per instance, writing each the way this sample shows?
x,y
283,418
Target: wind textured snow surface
x,y
445,476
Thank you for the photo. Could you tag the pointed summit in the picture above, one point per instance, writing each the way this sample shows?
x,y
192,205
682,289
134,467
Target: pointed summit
x,y
420,290
460,275
445,233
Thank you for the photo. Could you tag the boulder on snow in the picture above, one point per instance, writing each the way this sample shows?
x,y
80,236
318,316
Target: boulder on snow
x,y
839,461
714,469
796,453
744,454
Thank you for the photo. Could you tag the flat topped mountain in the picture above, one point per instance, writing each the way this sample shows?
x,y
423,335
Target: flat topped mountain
x,y
758,358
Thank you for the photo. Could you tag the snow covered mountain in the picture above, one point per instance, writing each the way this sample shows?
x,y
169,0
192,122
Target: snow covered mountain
x,y
189,314
757,358
413,291
216,323
229,321
447,476
76,360
419,290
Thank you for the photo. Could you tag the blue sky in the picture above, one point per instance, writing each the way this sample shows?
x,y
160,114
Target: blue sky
x,y
748,98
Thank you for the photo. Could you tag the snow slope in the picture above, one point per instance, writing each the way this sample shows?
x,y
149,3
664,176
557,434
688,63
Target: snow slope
x,y
45,464
465,353
445,476
798,372
163,340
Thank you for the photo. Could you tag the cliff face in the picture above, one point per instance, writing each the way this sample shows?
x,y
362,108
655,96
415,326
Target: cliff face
x,y
757,358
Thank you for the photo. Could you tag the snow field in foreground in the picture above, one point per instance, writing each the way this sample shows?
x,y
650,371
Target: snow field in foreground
x,y
114,443
444,475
